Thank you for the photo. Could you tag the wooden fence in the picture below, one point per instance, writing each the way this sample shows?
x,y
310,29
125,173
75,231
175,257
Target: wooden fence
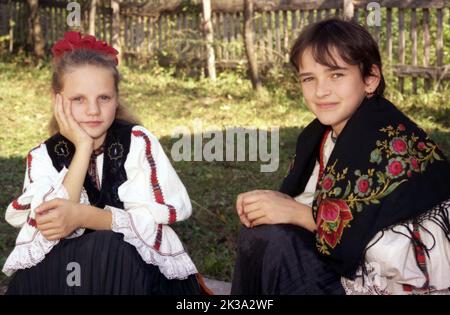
x,y
410,36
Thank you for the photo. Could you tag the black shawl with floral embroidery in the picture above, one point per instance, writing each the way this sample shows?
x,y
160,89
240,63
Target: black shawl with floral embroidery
x,y
384,170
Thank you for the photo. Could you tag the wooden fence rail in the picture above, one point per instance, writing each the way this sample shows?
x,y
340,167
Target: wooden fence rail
x,y
410,36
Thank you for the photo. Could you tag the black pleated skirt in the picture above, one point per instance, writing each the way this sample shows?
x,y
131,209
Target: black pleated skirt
x,y
100,262
281,259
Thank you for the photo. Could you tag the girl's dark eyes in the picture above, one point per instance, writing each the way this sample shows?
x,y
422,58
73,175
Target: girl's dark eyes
x,y
333,76
77,99
105,98
337,75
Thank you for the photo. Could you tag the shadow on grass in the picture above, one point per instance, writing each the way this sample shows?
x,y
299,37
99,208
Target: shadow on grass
x,y
210,234
12,172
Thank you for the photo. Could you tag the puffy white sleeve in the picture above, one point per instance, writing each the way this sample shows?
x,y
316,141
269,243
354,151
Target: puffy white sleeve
x,y
153,197
42,183
391,262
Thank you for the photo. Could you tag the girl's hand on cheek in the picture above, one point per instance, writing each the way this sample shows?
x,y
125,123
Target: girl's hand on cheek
x,y
68,127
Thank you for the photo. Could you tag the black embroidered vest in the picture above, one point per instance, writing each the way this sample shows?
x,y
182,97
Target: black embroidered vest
x,y
116,149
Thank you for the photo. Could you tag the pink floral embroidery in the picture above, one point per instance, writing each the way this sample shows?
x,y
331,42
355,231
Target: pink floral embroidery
x,y
333,216
399,146
414,164
363,185
328,183
395,168
403,154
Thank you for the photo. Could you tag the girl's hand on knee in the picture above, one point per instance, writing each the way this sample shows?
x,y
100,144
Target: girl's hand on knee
x,y
272,207
68,127
244,201
58,218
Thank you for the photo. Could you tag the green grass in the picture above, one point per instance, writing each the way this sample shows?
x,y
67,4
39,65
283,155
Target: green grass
x,y
163,102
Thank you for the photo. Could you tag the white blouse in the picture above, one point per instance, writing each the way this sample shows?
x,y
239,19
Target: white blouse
x,y
391,261
143,221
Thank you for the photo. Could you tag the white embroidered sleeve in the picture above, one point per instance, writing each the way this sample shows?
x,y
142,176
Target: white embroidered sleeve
x,y
391,262
153,197
42,183
152,181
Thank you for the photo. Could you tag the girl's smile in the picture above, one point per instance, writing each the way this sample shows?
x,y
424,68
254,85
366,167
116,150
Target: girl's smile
x,y
326,106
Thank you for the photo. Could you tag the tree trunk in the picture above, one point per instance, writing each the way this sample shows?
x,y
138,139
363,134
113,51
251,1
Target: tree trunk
x,y
37,39
92,16
115,38
11,28
209,36
249,46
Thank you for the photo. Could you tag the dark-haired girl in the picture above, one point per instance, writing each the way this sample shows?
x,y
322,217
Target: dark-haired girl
x,y
365,206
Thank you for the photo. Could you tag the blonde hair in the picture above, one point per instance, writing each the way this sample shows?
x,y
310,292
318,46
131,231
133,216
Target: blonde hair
x,y
81,57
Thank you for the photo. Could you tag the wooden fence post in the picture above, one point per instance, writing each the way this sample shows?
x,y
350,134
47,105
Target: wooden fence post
x,y
11,28
92,16
209,36
439,45
348,9
249,45
115,40
37,38
401,46
426,45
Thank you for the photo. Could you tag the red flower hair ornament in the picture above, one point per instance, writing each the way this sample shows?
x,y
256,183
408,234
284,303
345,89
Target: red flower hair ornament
x,y
74,40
